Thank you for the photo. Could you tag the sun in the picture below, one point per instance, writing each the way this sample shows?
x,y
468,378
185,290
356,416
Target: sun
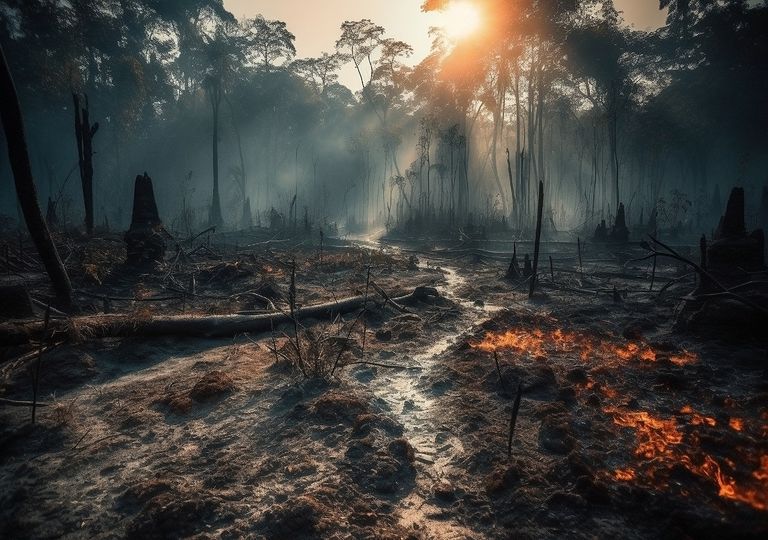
x,y
460,20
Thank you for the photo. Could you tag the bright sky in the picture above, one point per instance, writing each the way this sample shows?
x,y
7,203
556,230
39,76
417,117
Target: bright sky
x,y
315,23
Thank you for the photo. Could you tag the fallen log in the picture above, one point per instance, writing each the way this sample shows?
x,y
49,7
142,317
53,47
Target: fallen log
x,y
213,326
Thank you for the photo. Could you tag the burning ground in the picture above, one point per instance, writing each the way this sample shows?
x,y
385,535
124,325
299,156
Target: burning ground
x,y
626,427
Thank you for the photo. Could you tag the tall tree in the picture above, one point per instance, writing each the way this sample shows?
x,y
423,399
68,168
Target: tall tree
x,y
268,41
224,55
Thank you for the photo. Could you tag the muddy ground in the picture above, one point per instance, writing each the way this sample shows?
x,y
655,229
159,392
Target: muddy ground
x,y
627,427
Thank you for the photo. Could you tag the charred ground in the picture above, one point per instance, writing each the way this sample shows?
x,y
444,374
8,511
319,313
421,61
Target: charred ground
x,y
626,423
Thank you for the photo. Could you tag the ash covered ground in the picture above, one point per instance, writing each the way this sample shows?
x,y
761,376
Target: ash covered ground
x,y
630,424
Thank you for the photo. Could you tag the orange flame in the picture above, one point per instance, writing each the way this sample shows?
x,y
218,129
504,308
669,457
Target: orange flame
x,y
655,436
660,440
538,342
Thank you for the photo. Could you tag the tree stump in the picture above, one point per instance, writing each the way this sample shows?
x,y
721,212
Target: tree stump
x,y
145,240
601,232
513,272
620,232
733,251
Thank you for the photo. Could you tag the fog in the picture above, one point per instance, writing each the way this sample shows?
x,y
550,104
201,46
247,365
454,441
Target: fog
x,y
664,122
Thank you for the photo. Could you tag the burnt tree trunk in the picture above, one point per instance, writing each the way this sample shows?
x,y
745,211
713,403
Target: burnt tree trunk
x,y
84,133
214,94
513,272
13,126
205,326
537,241
145,243
513,203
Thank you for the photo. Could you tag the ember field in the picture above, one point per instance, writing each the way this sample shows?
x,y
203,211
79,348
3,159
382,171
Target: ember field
x,y
391,421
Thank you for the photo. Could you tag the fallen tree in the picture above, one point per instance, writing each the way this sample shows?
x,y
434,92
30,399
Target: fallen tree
x,y
210,326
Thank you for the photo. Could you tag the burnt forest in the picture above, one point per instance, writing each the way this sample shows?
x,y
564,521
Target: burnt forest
x,y
383,269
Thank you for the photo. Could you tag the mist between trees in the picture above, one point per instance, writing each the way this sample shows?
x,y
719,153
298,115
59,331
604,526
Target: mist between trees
x,y
234,128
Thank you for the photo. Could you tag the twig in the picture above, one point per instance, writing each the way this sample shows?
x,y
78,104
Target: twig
x,y
391,366
673,281
498,370
128,299
54,311
208,230
17,403
388,299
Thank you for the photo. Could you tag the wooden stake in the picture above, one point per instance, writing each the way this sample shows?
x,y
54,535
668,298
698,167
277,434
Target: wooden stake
x,y
551,269
498,370
537,240
292,306
365,307
581,267
36,379
513,420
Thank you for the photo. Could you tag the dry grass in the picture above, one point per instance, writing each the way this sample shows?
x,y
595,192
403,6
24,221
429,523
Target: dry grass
x,y
213,385
64,414
318,352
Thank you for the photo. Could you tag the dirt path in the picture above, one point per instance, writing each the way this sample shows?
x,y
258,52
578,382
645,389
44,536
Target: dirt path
x,y
411,395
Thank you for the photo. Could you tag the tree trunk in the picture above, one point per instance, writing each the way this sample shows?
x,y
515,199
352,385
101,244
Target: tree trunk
x,y
498,125
613,139
518,149
84,134
513,202
236,129
13,126
215,217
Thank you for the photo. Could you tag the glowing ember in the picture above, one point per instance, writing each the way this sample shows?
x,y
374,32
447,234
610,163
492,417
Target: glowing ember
x,y
684,358
655,436
762,473
624,475
659,441
698,419
736,424
538,342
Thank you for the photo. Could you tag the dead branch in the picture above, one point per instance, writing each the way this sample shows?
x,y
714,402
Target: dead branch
x,y
387,299
703,274
17,403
